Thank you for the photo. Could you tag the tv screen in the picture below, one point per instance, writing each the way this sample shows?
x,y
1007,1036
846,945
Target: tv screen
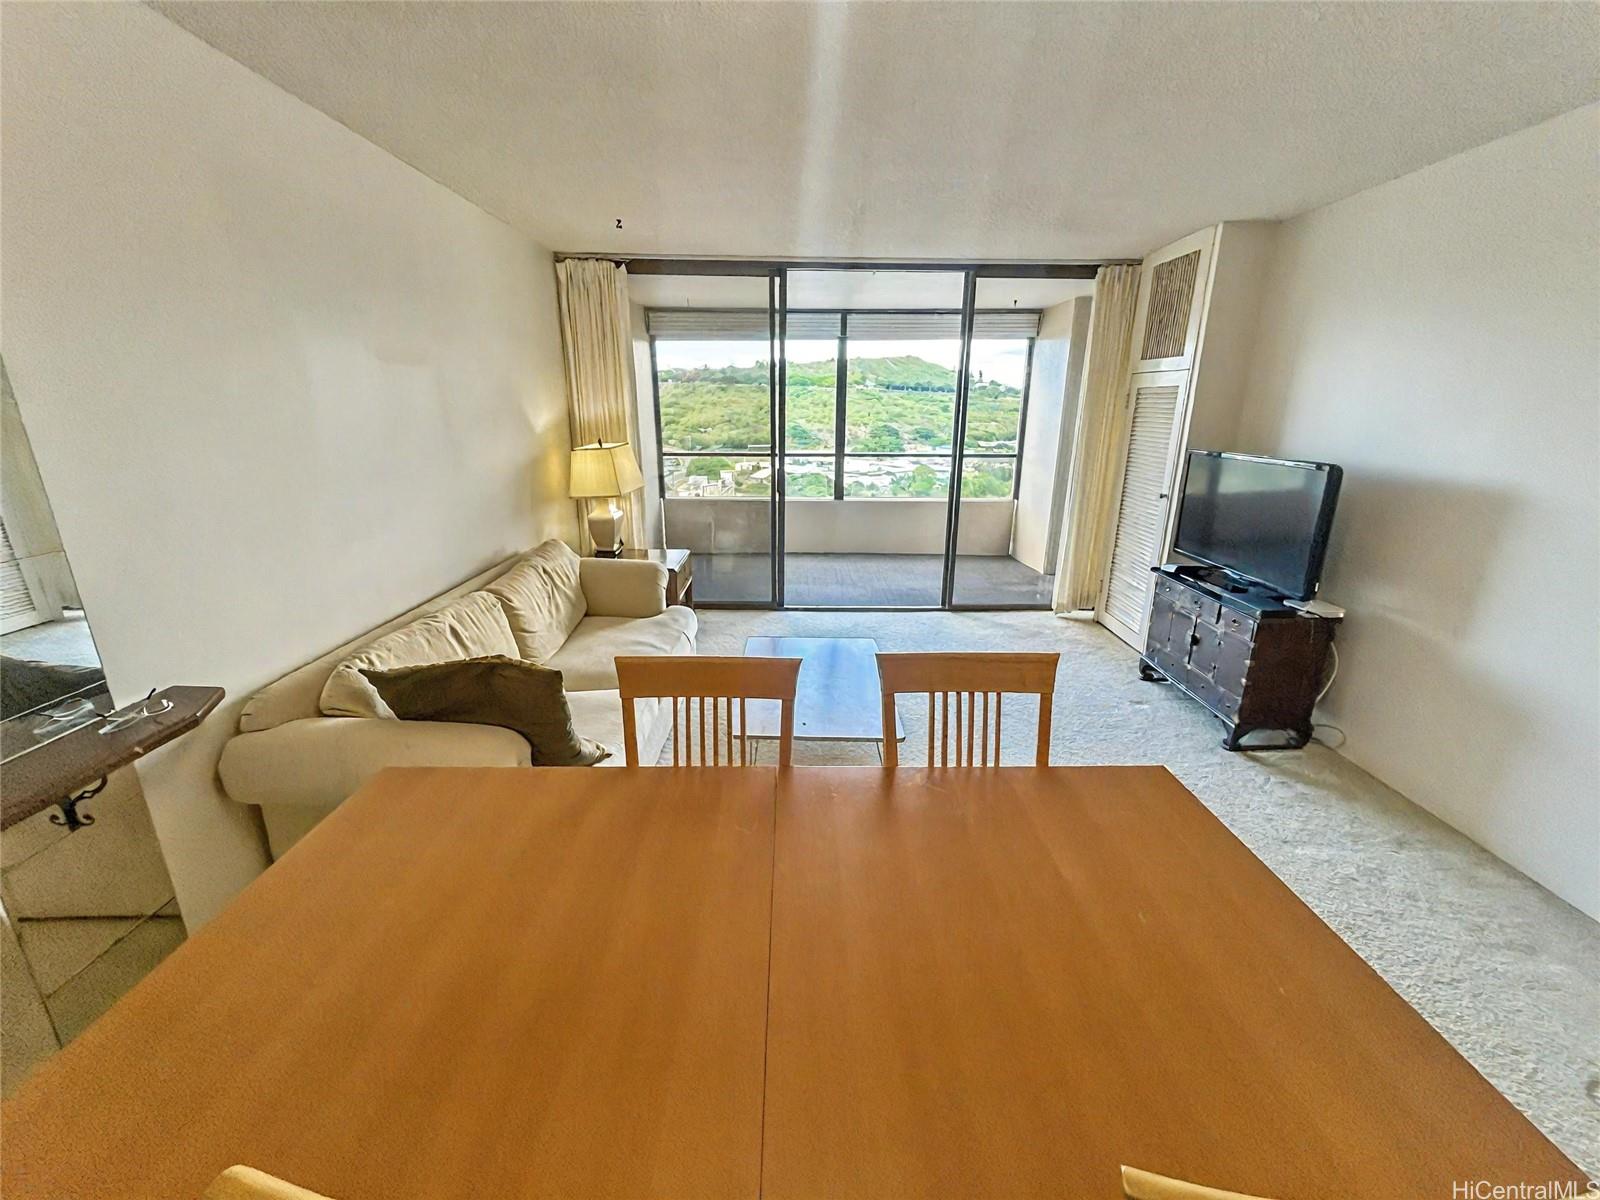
x,y
1264,519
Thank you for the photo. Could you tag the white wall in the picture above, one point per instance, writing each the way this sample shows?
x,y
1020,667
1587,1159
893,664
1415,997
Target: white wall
x,y
1439,336
1228,329
1052,407
280,386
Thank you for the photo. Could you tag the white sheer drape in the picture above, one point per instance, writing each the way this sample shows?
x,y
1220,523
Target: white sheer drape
x,y
596,341
1086,532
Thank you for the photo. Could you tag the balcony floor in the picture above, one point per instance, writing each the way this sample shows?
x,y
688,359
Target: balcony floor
x,y
869,580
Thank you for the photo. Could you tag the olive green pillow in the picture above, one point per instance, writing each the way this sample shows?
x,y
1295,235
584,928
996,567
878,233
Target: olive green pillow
x,y
499,691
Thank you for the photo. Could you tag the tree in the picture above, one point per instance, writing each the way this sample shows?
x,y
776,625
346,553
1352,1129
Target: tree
x,y
882,439
811,485
986,480
922,481
903,403
801,438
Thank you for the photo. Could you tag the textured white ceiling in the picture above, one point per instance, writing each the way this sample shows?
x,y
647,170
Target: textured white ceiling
x,y
988,131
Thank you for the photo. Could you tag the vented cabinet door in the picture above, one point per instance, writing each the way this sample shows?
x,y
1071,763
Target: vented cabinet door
x,y
18,608
1172,283
1143,501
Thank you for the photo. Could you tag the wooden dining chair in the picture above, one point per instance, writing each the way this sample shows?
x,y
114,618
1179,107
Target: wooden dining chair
x,y
1146,1185
687,682
247,1183
958,687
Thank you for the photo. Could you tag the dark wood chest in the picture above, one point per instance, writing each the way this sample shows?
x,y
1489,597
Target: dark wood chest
x,y
1255,666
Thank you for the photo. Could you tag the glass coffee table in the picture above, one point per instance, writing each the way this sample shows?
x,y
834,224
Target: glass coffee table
x,y
837,698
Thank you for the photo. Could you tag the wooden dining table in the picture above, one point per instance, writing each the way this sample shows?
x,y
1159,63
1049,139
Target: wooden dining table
x,y
738,982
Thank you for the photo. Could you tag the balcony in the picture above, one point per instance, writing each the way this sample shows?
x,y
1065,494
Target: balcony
x,y
863,552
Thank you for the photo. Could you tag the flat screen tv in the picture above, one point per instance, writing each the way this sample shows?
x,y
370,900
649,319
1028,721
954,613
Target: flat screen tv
x,y
1263,520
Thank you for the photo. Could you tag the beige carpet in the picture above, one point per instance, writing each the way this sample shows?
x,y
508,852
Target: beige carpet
x,y
1502,968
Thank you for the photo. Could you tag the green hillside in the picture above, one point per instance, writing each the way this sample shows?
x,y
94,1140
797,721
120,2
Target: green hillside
x,y
895,404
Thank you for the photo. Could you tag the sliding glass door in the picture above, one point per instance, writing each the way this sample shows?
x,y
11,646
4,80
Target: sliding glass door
x,y
872,362
715,375
848,437
993,567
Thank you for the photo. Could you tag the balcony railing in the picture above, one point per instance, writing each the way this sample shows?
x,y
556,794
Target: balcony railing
x,y
878,525
856,552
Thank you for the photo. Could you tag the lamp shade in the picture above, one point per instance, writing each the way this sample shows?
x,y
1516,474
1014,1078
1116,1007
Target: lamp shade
x,y
604,469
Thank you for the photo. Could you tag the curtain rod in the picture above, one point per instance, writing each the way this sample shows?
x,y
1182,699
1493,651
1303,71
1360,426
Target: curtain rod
x,y
644,264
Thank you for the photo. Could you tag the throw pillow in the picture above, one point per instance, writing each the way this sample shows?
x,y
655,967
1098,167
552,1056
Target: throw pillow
x,y
497,690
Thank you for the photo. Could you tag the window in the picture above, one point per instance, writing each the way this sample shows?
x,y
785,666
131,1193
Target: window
x,y
881,428
900,406
812,378
713,403
997,396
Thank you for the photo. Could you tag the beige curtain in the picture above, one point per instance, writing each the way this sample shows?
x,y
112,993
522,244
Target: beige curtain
x,y
592,294
1086,533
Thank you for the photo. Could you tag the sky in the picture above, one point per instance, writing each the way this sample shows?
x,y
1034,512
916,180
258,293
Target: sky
x,y
1002,359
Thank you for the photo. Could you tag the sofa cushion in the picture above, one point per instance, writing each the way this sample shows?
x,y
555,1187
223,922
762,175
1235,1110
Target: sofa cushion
x,y
623,587
543,600
298,694
499,691
598,715
472,627
587,661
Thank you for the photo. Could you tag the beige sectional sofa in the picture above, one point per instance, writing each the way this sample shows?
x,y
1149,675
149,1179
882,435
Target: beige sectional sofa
x,y
311,739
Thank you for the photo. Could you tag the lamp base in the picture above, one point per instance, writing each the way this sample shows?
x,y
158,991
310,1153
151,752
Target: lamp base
x,y
605,529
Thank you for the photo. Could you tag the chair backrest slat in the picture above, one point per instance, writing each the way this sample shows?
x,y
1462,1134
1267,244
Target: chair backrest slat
x,y
965,678
693,680
984,730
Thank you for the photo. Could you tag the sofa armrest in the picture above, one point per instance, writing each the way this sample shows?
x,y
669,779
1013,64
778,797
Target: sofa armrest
x,y
623,587
320,761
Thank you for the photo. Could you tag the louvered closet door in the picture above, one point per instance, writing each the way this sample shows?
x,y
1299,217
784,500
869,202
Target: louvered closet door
x,y
1155,401
18,609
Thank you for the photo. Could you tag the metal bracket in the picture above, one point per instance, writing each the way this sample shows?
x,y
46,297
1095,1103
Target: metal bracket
x,y
69,815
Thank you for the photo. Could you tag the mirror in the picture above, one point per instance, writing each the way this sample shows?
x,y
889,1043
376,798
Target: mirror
x,y
84,913
50,676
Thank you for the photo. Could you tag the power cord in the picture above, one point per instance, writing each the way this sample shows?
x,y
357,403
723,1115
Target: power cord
x,y
1333,652
1315,737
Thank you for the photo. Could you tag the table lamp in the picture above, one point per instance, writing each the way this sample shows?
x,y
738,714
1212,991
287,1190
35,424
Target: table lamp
x,y
605,471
